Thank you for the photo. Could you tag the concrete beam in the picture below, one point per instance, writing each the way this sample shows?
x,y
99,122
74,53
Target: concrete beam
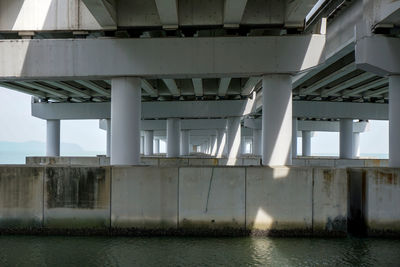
x,y
337,110
181,57
296,12
250,85
150,110
168,12
68,88
149,88
313,126
212,109
223,86
379,55
186,124
104,11
172,87
198,87
233,12
98,89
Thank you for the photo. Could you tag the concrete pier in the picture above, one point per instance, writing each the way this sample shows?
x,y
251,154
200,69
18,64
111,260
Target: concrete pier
x,y
346,139
53,138
173,137
306,143
184,142
125,117
108,141
148,142
294,137
277,120
156,146
233,137
257,137
394,121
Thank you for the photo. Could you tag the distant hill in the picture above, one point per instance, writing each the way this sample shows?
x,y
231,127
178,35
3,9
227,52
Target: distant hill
x,y
37,147
15,152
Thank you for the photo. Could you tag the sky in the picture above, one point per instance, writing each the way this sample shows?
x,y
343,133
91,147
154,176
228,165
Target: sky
x,y
17,125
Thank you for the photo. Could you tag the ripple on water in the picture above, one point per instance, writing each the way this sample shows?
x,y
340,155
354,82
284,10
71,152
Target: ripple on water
x,y
169,251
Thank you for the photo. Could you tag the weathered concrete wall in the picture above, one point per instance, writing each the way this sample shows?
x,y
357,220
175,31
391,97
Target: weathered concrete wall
x,y
334,162
216,199
144,197
207,161
382,211
330,201
62,161
279,200
212,198
77,197
21,197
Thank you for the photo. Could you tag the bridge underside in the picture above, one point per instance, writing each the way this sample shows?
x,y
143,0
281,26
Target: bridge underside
x,y
264,69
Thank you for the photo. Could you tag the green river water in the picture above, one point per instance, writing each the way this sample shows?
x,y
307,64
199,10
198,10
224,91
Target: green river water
x,y
171,251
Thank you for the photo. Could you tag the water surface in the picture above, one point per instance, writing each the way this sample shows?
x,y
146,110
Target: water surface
x,y
170,251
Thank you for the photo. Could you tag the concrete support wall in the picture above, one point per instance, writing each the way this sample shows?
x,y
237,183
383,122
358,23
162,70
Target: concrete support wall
x,y
394,121
21,197
212,198
277,120
53,138
173,137
144,198
125,116
373,201
223,200
77,198
268,188
330,201
346,139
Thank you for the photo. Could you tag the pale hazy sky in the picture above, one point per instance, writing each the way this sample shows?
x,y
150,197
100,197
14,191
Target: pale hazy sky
x,y
17,125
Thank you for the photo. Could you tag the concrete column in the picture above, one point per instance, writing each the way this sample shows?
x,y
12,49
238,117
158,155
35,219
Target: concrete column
x,y
356,145
346,138
108,149
125,117
173,136
256,142
53,138
394,121
156,146
243,145
221,142
148,143
306,143
141,144
233,136
185,136
294,137
213,145
277,120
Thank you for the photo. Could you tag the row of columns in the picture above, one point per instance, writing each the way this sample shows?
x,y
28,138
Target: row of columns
x,y
274,140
